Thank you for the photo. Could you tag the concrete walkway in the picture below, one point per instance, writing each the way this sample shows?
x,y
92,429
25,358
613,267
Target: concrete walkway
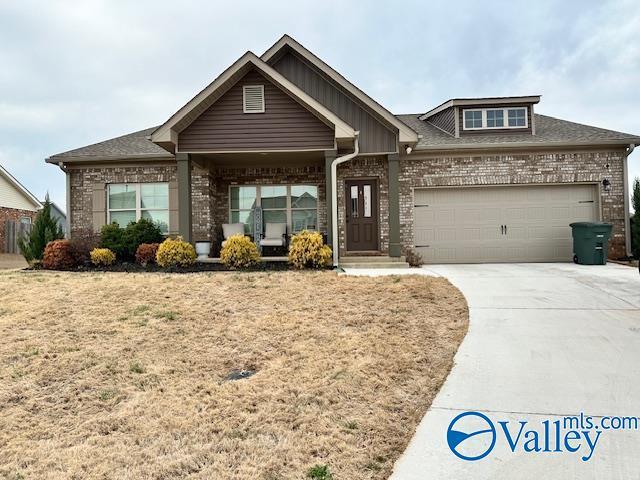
x,y
545,341
10,260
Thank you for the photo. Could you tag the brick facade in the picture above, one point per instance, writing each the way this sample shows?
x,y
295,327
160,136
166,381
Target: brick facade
x,y
83,180
13,215
210,189
365,167
223,178
520,168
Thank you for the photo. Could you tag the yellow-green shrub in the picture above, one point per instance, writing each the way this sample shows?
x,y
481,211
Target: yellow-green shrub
x,y
175,252
102,256
307,250
239,252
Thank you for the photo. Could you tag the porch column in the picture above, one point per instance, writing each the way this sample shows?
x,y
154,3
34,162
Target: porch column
x,y
329,157
394,205
184,196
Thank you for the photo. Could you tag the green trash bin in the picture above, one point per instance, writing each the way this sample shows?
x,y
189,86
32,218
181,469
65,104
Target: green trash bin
x,y
590,242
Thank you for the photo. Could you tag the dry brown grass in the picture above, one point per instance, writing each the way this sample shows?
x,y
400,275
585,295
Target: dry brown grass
x,y
123,375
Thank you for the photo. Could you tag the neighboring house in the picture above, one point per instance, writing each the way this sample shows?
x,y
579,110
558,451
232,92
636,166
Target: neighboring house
x,y
18,209
472,180
60,216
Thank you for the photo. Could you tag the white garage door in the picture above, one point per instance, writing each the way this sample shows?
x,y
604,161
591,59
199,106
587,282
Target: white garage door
x,y
500,224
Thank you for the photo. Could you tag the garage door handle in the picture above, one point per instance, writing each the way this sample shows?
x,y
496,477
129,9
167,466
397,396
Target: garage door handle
x,y
505,229
501,229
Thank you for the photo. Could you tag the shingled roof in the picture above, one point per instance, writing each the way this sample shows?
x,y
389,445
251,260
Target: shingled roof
x,y
549,131
131,146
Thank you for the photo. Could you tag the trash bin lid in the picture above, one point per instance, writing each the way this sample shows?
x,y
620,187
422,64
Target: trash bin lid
x,y
590,224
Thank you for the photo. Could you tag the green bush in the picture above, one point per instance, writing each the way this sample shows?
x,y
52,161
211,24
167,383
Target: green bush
x,y
635,220
124,242
137,233
58,255
307,250
45,229
239,252
111,237
175,253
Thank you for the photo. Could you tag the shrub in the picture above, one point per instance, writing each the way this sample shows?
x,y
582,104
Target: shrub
x,y
413,258
111,237
635,221
137,233
102,257
82,242
45,229
307,250
58,255
175,252
239,252
146,253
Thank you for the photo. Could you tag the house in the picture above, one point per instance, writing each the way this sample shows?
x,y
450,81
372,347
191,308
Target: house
x,y
60,216
471,180
18,209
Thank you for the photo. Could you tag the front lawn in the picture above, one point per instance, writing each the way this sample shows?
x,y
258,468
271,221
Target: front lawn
x,y
142,375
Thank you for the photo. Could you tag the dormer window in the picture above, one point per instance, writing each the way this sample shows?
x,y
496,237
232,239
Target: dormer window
x,y
253,99
494,118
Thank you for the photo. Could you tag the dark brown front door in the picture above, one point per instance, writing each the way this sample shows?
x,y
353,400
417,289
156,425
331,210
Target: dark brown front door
x,y
362,214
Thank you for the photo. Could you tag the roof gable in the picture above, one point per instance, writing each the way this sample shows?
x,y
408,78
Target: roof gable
x,y
406,134
14,195
283,125
167,134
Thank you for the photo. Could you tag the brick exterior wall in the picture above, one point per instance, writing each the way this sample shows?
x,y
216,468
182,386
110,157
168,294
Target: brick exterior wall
x,y
210,189
525,168
83,179
223,178
365,167
12,214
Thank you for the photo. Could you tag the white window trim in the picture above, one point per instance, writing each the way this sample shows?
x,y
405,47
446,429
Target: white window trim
x,y
289,209
138,208
244,99
505,116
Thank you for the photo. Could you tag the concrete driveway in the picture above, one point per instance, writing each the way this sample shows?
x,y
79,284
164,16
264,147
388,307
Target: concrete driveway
x,y
545,341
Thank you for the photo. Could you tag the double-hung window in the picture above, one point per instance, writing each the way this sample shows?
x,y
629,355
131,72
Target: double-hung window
x,y
495,118
294,205
129,202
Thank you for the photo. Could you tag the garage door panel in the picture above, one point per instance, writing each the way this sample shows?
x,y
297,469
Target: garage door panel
x,y
463,225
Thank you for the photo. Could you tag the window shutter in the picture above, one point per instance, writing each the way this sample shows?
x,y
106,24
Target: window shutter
x,y
98,206
253,99
173,207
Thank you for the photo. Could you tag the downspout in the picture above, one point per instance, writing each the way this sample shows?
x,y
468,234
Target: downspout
x,y
334,195
627,215
68,199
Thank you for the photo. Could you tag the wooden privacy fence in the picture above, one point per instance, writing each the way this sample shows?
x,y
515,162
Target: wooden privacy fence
x,y
12,232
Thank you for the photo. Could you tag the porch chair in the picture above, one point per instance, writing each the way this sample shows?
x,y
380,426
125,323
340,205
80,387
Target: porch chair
x,y
275,235
231,229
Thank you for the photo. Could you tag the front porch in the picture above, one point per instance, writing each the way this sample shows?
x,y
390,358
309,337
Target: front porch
x,y
292,189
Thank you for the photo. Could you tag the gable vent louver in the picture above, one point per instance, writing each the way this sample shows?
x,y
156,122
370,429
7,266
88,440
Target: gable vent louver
x,y
253,99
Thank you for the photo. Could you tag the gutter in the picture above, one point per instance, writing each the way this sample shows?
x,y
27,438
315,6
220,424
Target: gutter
x,y
627,214
334,196
67,176
518,145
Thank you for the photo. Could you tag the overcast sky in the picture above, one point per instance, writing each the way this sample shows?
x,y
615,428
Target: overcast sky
x,y
78,72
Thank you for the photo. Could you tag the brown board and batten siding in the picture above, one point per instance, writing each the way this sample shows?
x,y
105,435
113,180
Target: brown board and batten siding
x,y
444,120
494,131
375,137
284,125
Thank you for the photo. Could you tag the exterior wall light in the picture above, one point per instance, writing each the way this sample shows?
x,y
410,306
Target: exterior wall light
x,y
606,184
